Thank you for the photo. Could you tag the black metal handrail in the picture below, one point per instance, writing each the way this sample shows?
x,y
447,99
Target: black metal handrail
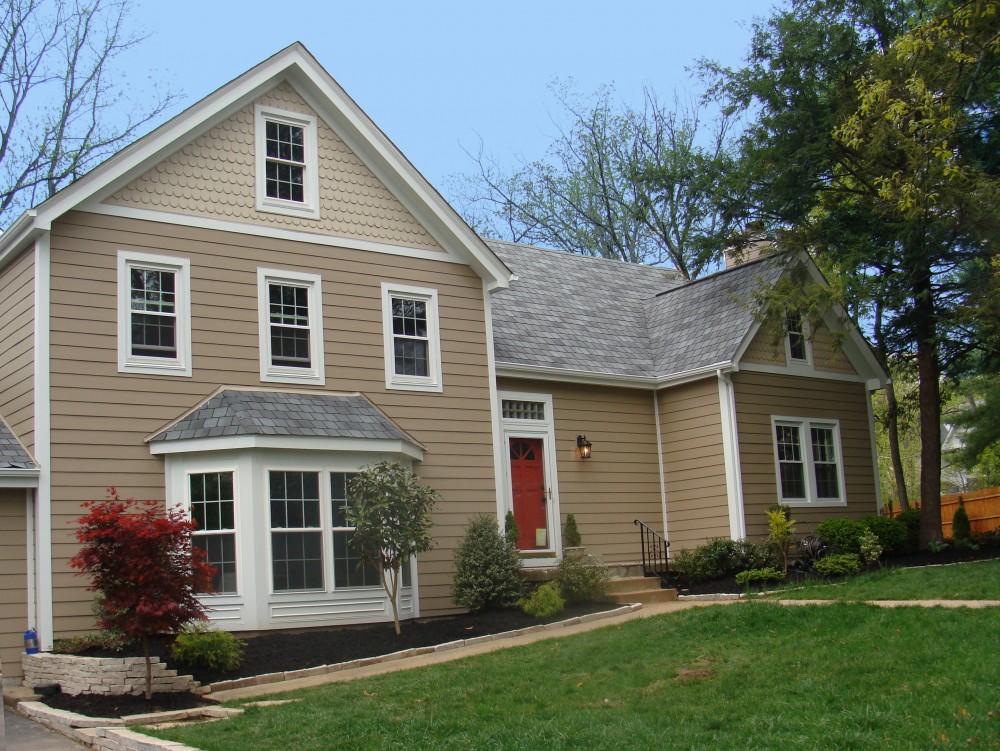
x,y
655,561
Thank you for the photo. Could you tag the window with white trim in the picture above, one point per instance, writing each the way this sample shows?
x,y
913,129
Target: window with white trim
x,y
516,409
291,326
809,461
412,338
797,346
154,314
212,502
296,531
287,162
349,568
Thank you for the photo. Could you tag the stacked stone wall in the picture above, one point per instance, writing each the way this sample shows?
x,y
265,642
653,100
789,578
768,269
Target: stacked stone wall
x,y
101,675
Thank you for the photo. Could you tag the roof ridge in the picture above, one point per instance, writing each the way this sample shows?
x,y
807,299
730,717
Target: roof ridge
x,y
663,270
721,272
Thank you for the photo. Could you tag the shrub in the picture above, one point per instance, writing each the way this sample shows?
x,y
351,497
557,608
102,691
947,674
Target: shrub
x,y
487,568
751,554
911,520
759,576
838,564
781,528
783,508
937,546
960,527
842,534
109,640
870,547
510,529
721,557
215,650
571,535
544,602
581,578
718,556
891,533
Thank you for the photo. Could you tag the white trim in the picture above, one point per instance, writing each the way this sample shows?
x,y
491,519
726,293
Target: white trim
x,y
29,559
19,478
43,442
801,371
731,457
543,373
808,468
659,463
491,366
309,207
874,449
546,431
286,443
180,365
433,381
222,467
269,373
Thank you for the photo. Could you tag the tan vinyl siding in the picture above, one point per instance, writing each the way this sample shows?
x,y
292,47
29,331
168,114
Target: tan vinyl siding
x,y
759,396
100,417
17,364
620,482
13,579
768,348
214,177
694,463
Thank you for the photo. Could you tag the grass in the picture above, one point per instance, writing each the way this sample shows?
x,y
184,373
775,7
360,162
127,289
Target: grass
x,y
978,580
750,676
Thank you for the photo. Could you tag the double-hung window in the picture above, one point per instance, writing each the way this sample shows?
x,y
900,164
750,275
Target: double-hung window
x,y
797,347
296,531
287,163
154,314
291,327
412,338
349,569
212,502
809,461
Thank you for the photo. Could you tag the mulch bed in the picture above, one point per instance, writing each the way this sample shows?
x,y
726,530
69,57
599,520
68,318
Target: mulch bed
x,y
99,705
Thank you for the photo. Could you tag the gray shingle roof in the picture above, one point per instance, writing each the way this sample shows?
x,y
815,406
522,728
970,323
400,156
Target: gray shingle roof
x,y
235,412
13,455
602,316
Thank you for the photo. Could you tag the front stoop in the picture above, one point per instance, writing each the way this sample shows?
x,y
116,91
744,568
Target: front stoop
x,y
644,589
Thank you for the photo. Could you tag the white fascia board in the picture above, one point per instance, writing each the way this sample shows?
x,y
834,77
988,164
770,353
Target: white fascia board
x,y
540,373
20,235
822,375
19,478
286,442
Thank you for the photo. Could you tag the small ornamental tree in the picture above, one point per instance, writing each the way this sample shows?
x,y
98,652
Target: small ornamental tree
x,y
143,567
391,512
781,529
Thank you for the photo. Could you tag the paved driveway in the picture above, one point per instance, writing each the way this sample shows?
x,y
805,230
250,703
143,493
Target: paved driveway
x,y
26,735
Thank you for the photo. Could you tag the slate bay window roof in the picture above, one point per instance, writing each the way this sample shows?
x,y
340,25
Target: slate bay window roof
x,y
13,455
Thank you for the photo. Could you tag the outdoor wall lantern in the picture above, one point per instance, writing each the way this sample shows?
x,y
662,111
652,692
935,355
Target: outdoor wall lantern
x,y
584,445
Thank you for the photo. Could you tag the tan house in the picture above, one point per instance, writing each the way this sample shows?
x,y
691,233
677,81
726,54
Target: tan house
x,y
263,295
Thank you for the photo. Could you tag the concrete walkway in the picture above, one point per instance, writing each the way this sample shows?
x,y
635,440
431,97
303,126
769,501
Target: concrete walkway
x,y
27,735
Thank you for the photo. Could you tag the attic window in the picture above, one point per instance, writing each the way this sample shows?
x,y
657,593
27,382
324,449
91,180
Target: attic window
x,y
287,163
796,339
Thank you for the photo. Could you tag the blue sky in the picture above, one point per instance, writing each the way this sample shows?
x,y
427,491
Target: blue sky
x,y
437,76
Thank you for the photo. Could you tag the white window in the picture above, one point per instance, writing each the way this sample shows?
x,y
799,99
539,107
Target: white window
x,y
412,338
287,164
797,346
212,501
808,461
296,531
154,314
291,327
516,409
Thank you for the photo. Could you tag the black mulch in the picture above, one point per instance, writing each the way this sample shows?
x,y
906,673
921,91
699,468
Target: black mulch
x,y
95,705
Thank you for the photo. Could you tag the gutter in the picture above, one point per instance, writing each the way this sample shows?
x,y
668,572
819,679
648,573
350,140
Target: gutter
x,y
566,375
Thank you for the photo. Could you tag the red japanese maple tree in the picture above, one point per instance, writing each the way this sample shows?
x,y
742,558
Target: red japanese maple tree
x,y
144,568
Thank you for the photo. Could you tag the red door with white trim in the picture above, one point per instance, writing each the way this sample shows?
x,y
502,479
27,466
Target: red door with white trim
x,y
527,477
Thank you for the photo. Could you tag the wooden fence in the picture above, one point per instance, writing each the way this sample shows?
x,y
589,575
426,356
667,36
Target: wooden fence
x,y
982,506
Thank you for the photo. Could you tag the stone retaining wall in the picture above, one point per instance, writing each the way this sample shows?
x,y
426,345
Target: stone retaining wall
x,y
101,675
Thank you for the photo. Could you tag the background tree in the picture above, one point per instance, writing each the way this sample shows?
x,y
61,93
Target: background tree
x,y
617,182
391,512
64,107
143,567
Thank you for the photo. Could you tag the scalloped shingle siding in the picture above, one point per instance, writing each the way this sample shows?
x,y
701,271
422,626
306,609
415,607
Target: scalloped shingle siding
x,y
213,177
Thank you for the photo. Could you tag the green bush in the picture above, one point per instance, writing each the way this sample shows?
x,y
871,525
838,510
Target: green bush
x,y
759,576
544,602
215,650
838,564
960,527
110,640
487,567
911,520
510,530
870,547
842,534
751,554
582,578
891,533
721,556
571,534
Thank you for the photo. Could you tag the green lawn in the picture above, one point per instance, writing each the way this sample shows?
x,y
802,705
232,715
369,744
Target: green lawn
x,y
979,580
747,676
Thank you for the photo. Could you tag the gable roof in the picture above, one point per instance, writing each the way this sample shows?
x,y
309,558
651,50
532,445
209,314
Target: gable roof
x,y
296,65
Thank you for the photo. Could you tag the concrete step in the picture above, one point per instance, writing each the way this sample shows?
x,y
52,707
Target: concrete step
x,y
645,596
633,583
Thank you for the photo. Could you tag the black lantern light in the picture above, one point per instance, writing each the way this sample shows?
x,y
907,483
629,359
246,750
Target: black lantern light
x,y
584,445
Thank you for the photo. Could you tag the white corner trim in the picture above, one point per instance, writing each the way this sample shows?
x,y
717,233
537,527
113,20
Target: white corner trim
x,y
731,456
659,464
433,381
43,444
172,366
309,207
499,454
270,373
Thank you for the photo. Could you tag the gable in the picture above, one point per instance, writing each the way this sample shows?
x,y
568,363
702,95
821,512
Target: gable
x,y
213,177
768,348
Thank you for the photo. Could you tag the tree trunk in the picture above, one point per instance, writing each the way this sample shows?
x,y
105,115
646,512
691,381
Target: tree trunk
x,y
929,399
149,668
392,592
892,429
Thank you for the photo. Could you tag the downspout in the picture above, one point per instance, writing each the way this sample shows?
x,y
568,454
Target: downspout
x,y
29,496
659,461
731,456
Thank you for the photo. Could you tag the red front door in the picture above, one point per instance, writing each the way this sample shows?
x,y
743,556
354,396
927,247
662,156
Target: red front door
x,y
528,485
